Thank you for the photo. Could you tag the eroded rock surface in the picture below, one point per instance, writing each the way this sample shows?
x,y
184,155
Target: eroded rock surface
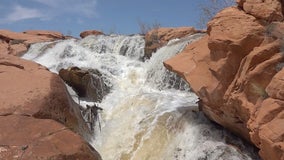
x,y
269,10
237,72
36,115
17,43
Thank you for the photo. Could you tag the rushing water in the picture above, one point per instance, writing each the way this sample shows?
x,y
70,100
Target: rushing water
x,y
150,113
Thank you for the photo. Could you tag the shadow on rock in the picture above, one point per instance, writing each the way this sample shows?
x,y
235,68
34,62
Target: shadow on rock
x,y
87,83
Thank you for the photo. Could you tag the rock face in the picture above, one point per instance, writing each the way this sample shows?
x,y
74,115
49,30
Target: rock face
x,y
158,37
48,34
36,115
269,10
90,32
237,72
86,83
15,43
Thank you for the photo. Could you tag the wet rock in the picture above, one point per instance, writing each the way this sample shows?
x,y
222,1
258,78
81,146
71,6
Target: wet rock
x,y
90,32
90,114
37,113
87,83
237,72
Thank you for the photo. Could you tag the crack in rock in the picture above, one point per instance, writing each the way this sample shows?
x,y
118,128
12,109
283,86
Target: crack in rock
x,y
12,65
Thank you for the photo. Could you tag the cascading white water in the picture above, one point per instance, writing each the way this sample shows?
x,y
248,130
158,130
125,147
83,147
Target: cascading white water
x,y
149,113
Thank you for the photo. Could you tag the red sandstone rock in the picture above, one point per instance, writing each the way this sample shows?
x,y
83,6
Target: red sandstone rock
x,y
233,34
18,49
269,10
158,37
192,64
90,32
33,83
27,138
18,43
15,37
237,72
240,3
275,89
49,34
267,129
36,114
4,47
166,34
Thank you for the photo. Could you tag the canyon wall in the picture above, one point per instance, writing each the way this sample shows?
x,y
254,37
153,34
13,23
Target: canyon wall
x,y
237,72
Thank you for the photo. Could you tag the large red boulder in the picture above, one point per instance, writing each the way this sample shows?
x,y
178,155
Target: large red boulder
x,y
25,137
37,116
237,72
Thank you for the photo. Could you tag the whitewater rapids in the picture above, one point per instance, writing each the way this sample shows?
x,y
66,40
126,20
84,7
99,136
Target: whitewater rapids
x,y
150,113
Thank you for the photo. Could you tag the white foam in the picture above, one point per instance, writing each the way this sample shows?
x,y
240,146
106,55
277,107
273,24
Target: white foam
x,y
149,113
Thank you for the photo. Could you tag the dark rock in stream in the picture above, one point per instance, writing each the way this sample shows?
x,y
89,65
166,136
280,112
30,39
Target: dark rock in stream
x,y
87,83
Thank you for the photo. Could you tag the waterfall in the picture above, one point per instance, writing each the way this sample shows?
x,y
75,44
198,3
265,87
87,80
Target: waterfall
x,y
149,113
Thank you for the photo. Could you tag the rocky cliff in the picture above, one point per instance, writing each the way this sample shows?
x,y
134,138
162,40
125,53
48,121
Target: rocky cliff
x,y
237,72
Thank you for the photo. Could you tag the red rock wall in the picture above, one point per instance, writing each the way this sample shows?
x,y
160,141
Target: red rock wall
x,y
237,71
